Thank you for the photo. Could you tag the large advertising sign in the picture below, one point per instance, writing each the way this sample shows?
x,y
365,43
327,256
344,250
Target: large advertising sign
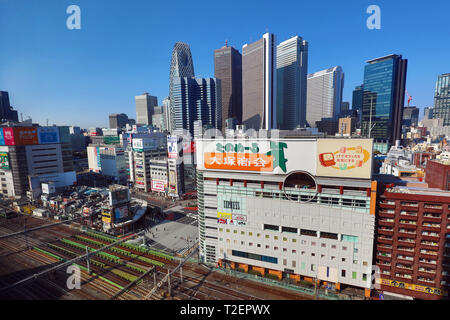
x,y
4,161
159,185
172,149
350,158
411,286
120,213
2,139
47,135
119,196
231,210
343,158
138,144
20,136
64,134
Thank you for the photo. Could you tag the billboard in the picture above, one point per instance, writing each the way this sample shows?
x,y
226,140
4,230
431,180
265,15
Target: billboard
x,y
20,136
349,158
2,139
159,185
231,210
172,148
120,213
4,161
111,140
343,158
119,196
138,144
47,135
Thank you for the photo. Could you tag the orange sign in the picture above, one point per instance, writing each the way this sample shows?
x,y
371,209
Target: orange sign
x,y
238,161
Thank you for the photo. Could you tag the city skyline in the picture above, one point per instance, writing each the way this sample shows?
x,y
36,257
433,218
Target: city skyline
x,y
46,66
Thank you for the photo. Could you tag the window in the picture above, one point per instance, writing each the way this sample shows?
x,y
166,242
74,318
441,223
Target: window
x,y
271,227
354,275
348,238
333,258
284,262
328,235
228,230
294,240
267,246
333,246
343,273
303,241
235,231
344,248
267,236
284,239
242,243
355,261
364,277
289,229
250,244
275,248
313,254
313,244
250,234
343,259
284,250
258,245
313,267
242,232
220,229
355,250
303,266
310,233
323,245
294,264
258,235
365,263
294,251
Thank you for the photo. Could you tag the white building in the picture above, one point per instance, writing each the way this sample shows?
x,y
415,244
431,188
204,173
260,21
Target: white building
x,y
109,160
301,208
324,94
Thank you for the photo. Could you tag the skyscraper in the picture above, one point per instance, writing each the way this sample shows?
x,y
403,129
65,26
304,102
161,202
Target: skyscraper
x,y
410,116
384,97
6,111
292,71
181,65
428,113
228,68
324,96
118,120
441,107
196,99
259,83
145,104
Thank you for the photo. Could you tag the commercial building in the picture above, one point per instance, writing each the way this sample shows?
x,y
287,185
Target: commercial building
x,y
410,116
292,71
145,105
143,149
441,108
159,174
109,160
412,242
259,85
159,119
181,65
324,95
347,126
228,69
30,152
196,99
384,96
428,113
265,206
437,174
120,120
6,111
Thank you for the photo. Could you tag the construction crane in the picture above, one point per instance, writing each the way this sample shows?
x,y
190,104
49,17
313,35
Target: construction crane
x,y
409,97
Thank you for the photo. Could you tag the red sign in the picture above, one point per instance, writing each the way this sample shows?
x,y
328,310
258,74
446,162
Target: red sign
x,y
20,136
158,185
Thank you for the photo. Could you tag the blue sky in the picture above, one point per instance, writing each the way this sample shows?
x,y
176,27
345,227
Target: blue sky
x,y
79,77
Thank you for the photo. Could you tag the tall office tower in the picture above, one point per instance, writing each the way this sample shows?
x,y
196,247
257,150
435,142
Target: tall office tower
x,y
441,107
345,106
181,65
384,97
357,100
324,96
118,120
6,111
292,71
428,113
259,83
196,99
145,105
410,116
228,68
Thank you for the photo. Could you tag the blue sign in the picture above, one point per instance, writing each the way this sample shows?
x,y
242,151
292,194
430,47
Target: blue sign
x,y
48,135
2,139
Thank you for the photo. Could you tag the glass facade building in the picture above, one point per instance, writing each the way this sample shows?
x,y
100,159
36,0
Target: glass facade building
x,y
383,99
196,99
441,108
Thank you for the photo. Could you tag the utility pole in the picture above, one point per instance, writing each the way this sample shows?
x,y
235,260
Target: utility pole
x,y
87,260
168,281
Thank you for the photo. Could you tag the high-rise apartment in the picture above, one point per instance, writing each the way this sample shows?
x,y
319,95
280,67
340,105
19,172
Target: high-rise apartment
x,y
292,71
384,97
324,96
259,83
441,107
228,68
196,99
181,65
145,105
